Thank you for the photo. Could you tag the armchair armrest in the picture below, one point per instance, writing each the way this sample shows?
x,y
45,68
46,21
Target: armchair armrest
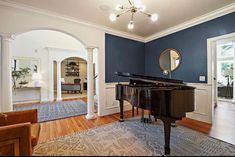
x,y
15,140
19,117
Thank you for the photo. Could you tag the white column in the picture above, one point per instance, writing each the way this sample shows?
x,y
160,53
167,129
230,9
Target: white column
x,y
51,79
6,103
59,98
90,84
233,72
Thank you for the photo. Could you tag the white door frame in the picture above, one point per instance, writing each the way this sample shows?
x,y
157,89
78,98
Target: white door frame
x,y
0,73
212,65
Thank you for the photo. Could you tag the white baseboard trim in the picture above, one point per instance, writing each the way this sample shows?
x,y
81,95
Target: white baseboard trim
x,y
115,110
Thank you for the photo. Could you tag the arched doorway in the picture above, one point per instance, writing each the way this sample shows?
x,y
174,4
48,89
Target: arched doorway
x,y
73,78
54,45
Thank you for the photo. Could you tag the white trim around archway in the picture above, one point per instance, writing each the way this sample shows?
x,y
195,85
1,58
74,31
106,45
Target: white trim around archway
x,y
84,56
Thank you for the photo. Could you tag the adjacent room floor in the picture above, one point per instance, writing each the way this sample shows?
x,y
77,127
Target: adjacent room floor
x,y
67,96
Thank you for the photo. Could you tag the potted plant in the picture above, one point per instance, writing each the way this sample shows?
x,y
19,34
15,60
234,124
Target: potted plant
x,y
20,75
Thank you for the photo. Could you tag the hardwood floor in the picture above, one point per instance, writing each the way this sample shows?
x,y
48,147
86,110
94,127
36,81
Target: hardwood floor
x,y
224,122
57,128
223,127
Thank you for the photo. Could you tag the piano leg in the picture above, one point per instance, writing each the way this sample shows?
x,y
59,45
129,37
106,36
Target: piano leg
x,y
121,111
145,120
133,111
167,133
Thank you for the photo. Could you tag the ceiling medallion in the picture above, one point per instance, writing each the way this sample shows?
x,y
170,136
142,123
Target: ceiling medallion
x,y
135,7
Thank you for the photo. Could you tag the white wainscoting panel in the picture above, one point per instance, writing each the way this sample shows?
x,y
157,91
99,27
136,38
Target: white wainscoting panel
x,y
111,104
203,103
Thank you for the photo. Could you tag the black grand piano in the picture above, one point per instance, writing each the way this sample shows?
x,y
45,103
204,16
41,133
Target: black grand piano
x,y
166,99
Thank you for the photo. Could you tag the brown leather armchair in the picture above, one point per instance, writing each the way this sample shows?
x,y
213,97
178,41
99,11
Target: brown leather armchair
x,y
19,132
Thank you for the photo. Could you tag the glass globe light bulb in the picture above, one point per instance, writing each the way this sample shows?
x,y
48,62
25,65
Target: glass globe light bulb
x,y
131,25
143,8
118,7
154,17
113,17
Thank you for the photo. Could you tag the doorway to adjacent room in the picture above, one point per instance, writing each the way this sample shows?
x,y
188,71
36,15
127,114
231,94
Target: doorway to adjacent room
x,y
34,55
221,59
73,78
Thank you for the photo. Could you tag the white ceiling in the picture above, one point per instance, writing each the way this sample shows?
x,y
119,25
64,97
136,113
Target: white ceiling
x,y
171,12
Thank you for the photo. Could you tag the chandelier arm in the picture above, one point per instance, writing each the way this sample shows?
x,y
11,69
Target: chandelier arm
x,y
132,16
149,15
130,2
118,15
126,8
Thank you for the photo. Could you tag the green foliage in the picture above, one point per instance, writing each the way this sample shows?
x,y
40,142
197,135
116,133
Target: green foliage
x,y
20,74
227,66
227,47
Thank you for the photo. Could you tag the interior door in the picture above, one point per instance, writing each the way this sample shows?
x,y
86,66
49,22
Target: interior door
x,y
214,74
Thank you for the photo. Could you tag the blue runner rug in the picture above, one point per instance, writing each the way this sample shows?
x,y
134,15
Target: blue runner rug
x,y
56,110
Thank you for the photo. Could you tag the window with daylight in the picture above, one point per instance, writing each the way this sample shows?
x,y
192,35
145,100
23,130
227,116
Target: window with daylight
x,y
225,60
225,66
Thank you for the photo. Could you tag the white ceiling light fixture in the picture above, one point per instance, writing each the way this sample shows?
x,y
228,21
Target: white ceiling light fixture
x,y
136,6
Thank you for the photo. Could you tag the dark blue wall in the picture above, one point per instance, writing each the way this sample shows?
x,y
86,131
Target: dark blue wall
x,y
127,55
192,44
123,55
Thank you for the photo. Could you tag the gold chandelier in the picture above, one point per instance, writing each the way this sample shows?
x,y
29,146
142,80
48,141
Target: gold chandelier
x,y
135,7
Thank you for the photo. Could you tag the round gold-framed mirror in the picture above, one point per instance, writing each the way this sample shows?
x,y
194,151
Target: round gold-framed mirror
x,y
170,60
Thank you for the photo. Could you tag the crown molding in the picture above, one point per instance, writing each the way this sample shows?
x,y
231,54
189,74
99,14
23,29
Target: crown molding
x,y
198,20
70,19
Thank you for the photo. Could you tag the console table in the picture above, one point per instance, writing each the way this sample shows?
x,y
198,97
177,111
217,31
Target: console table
x,y
26,95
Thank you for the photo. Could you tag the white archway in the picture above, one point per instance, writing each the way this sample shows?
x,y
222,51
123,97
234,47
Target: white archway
x,y
82,70
7,63
51,29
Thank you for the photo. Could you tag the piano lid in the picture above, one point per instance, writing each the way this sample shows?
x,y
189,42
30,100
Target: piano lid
x,y
149,78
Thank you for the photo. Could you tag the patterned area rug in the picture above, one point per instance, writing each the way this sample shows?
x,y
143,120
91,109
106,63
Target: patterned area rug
x,y
133,138
56,110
